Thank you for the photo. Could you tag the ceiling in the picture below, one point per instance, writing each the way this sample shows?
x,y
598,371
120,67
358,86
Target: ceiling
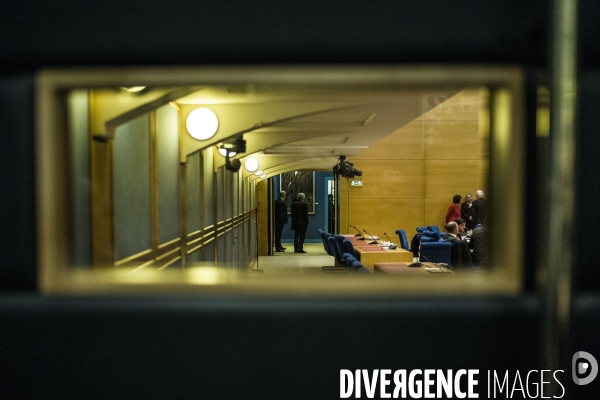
x,y
317,124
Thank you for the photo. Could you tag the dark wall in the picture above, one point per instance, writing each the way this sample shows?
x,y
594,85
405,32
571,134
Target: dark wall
x,y
316,220
268,348
130,32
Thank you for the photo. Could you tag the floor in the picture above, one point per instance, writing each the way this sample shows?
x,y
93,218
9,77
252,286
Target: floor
x,y
288,261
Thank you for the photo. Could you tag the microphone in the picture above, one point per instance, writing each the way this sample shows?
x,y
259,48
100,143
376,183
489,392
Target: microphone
x,y
358,234
362,237
436,264
372,238
392,245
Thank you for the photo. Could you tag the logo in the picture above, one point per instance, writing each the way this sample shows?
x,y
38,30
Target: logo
x,y
584,363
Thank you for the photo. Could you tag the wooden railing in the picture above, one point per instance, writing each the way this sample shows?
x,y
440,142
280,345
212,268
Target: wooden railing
x,y
170,252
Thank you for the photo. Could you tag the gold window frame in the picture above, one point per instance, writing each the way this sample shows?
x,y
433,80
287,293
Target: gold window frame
x,y
506,163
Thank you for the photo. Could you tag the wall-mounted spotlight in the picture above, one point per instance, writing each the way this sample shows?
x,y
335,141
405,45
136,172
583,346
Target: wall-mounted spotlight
x,y
202,123
251,164
223,151
229,149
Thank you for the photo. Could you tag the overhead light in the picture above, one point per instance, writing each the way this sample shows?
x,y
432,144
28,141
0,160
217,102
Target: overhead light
x,y
257,173
223,152
134,89
251,164
263,176
202,123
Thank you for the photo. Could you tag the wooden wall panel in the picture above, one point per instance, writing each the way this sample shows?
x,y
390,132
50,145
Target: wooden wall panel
x,y
390,179
463,106
386,216
452,140
445,178
404,144
262,199
435,211
416,170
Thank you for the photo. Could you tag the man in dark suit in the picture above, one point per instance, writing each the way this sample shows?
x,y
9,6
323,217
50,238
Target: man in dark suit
x,y
299,222
477,244
460,254
479,212
281,218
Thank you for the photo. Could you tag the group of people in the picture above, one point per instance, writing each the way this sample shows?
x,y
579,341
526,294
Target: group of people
x,y
473,212
299,214
465,229
468,247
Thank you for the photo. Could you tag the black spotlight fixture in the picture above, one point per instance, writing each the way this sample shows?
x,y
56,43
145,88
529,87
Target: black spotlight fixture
x,y
237,146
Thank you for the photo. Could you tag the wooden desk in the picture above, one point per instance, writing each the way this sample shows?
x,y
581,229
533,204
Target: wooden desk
x,y
402,268
372,254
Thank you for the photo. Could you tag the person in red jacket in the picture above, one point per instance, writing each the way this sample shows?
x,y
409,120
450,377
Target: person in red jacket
x,y
454,209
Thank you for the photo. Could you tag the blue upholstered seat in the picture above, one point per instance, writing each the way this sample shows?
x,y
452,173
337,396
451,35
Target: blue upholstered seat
x,y
340,241
433,235
347,247
434,228
437,252
358,267
403,240
324,236
335,249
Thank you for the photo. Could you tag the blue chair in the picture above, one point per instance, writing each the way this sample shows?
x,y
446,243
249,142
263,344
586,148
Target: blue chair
x,y
340,241
323,235
357,266
434,228
340,258
433,235
347,247
436,252
421,229
422,239
403,240
350,259
335,249
425,239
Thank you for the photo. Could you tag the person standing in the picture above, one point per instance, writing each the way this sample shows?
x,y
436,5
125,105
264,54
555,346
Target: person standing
x,y
477,245
466,211
299,211
453,210
281,218
479,211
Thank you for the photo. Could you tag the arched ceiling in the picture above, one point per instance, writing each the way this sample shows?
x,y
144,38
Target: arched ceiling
x,y
289,128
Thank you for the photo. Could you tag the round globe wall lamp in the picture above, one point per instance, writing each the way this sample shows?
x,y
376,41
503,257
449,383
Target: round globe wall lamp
x,y
251,164
202,123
